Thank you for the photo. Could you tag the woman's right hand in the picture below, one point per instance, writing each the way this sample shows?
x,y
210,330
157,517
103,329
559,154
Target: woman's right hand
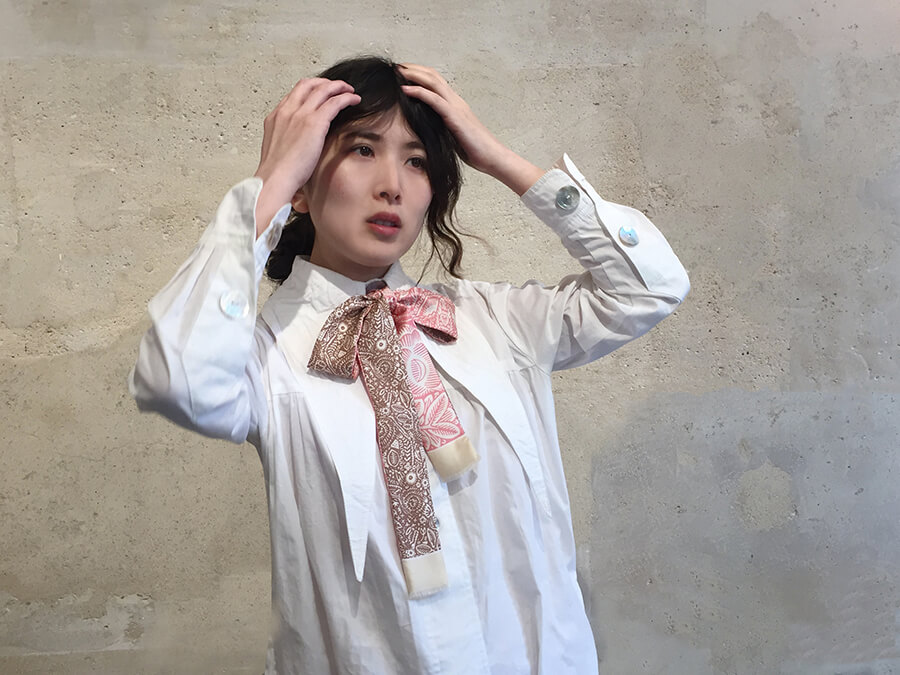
x,y
293,137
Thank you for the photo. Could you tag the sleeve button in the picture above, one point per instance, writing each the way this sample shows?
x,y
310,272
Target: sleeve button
x,y
567,198
234,304
628,236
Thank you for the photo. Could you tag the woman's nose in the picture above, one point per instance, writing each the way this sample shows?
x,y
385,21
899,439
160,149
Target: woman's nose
x,y
389,183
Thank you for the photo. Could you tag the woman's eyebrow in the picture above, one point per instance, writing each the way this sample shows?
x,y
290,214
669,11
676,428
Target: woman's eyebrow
x,y
375,137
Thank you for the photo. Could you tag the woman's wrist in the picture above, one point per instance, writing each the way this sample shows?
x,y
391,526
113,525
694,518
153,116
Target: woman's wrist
x,y
271,199
517,173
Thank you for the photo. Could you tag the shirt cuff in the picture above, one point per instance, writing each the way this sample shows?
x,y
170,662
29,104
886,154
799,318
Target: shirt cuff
x,y
557,200
235,221
267,241
593,228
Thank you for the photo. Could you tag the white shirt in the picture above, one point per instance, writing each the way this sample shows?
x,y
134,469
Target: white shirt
x,y
513,604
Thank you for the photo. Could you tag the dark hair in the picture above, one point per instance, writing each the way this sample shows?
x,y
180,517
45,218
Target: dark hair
x,y
378,81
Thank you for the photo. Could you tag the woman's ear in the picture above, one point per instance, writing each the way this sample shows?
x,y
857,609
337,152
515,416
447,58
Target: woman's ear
x,y
298,201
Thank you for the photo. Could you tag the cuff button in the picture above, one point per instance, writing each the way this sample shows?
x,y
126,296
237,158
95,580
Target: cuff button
x,y
628,236
234,304
567,198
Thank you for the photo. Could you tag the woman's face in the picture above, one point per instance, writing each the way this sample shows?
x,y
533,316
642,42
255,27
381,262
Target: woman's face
x,y
367,197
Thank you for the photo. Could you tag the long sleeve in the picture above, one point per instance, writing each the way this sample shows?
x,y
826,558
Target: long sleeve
x,y
632,278
196,364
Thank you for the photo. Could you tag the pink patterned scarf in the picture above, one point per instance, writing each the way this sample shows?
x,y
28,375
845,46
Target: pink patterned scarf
x,y
377,335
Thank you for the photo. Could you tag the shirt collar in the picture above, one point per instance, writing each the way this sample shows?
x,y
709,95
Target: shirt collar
x,y
324,288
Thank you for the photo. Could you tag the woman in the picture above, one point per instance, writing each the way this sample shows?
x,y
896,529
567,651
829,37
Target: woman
x,y
418,509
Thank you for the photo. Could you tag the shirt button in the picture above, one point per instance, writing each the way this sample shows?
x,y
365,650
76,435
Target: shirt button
x,y
234,304
628,236
567,198
377,285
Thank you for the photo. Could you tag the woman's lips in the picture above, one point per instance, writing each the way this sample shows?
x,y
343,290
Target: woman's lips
x,y
387,224
386,219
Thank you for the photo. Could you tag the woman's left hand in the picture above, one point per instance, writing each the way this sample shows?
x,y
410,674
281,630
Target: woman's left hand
x,y
481,150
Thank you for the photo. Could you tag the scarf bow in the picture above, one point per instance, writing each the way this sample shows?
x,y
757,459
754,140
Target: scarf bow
x,y
377,336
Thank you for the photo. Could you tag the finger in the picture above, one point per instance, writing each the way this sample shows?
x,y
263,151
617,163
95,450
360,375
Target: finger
x,y
323,91
335,104
300,90
300,93
413,71
425,76
416,67
426,95
296,92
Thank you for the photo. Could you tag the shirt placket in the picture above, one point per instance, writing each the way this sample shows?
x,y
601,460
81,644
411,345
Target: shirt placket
x,y
450,621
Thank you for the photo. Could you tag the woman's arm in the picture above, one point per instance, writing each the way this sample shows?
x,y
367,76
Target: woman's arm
x,y
293,137
632,279
197,364
480,149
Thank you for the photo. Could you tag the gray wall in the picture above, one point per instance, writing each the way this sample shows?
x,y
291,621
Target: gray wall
x,y
733,474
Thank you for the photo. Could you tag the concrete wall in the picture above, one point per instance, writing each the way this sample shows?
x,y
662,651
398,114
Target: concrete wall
x,y
734,474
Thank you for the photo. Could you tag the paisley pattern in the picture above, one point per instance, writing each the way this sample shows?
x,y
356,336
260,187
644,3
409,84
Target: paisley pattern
x,y
376,335
437,418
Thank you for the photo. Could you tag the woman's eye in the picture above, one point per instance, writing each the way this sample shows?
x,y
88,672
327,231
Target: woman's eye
x,y
363,150
417,162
